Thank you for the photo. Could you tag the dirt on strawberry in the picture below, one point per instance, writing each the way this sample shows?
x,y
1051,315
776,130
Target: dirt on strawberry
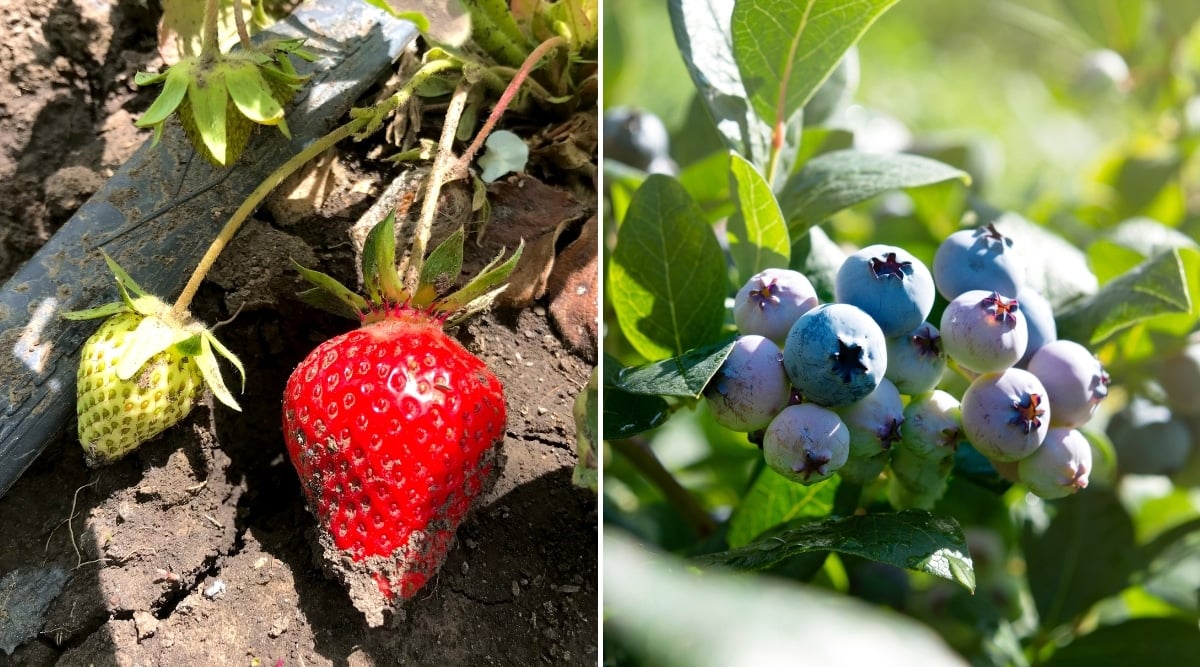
x,y
198,549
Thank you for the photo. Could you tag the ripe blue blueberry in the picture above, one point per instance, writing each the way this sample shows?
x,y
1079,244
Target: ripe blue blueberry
x,y
932,425
1006,415
916,360
1039,319
637,138
889,284
1149,439
874,422
977,259
1059,467
771,302
806,443
1074,380
835,354
751,387
984,331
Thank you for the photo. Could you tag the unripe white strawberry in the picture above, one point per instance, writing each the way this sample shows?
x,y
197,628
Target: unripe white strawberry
x,y
141,372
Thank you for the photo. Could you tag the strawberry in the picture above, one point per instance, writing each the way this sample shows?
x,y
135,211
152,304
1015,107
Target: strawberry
x,y
141,372
394,427
220,98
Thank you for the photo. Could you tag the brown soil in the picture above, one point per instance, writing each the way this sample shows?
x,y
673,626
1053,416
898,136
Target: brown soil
x,y
198,549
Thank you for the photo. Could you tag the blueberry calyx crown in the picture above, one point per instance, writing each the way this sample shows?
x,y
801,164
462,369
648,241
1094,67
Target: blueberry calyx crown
x,y
1099,386
1029,412
927,344
812,463
847,361
888,267
1002,310
890,433
950,437
989,233
768,293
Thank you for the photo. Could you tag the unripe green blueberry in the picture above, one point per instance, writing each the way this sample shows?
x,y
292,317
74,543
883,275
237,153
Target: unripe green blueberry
x,y
806,443
863,470
1060,466
924,482
932,425
750,388
1006,415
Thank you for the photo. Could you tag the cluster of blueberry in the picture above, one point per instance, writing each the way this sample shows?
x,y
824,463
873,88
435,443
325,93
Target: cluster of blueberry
x,y
822,386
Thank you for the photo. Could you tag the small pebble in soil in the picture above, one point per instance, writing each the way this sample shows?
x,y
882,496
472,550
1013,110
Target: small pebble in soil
x,y
214,589
145,623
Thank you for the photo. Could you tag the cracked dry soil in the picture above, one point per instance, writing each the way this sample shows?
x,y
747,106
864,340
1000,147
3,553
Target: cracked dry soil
x,y
198,549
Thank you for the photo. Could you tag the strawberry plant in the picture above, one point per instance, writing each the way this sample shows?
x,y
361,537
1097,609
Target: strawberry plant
x,y
945,449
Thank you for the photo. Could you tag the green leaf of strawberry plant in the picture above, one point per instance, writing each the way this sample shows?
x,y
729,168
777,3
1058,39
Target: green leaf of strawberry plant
x,y
758,235
911,539
330,295
1156,287
1143,641
667,274
482,289
684,375
834,181
208,100
773,499
443,265
495,30
702,31
380,275
1086,554
786,49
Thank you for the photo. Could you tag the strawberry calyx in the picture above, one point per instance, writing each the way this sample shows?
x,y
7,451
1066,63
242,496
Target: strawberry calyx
x,y
162,329
434,296
220,96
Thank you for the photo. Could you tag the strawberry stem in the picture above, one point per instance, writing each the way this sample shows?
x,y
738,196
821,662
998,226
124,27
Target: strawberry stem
x,y
506,98
443,164
358,123
209,46
240,20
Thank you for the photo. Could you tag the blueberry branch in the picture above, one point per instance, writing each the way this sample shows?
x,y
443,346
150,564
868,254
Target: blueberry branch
x,y
639,453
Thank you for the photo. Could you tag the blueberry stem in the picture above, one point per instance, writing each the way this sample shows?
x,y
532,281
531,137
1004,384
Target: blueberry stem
x,y
639,453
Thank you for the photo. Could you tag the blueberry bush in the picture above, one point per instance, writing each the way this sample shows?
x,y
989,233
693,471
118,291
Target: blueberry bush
x,y
902,349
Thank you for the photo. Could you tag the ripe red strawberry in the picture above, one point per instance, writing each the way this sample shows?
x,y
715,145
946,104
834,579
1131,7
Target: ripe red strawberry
x,y
394,427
